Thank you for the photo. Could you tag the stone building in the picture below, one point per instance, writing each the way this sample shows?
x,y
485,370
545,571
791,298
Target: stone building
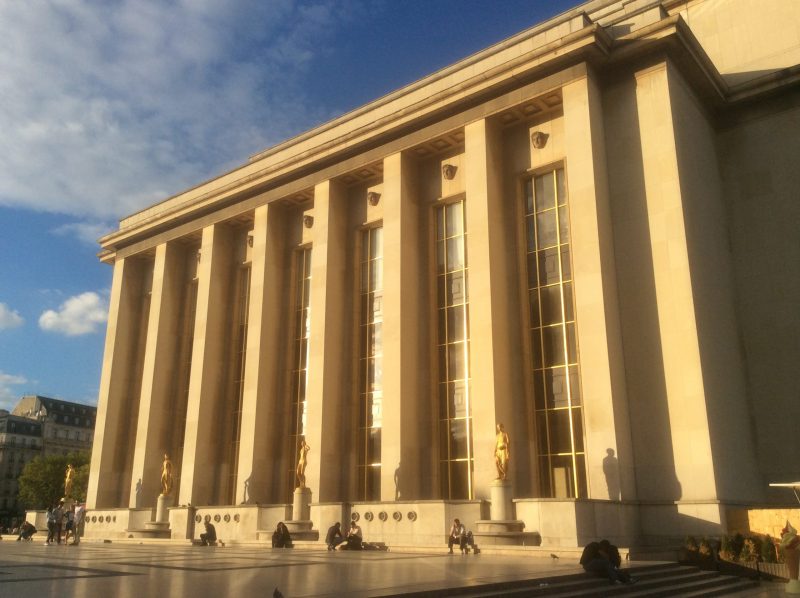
x,y
587,232
66,426
20,441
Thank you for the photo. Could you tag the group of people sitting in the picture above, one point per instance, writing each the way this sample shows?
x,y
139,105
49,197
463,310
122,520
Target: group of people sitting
x,y
602,559
354,540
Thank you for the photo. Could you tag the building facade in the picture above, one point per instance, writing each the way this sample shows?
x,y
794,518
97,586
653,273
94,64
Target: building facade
x,y
67,427
20,441
587,232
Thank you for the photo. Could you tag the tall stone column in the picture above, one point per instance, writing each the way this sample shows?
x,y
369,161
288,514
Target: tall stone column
x,y
262,427
105,477
154,426
330,304
209,367
489,264
609,460
402,443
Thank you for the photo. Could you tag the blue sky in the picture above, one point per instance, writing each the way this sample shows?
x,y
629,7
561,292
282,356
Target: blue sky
x,y
109,106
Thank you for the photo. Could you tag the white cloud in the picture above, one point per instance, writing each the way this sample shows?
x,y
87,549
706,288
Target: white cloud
x,y
9,318
111,106
81,314
88,232
8,396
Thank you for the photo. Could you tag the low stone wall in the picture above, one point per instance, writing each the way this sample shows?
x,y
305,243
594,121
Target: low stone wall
x,y
238,524
110,524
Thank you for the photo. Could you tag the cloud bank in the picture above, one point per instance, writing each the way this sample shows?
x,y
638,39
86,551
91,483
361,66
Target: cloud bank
x,y
109,107
82,314
8,396
9,318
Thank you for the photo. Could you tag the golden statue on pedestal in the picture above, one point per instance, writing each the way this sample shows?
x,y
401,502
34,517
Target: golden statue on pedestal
x,y
302,451
68,479
502,453
166,476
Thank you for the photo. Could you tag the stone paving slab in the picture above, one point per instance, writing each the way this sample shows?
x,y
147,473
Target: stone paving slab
x,y
133,571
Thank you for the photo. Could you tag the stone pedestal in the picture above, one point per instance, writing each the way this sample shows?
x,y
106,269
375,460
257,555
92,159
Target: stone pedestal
x,y
301,505
501,528
300,526
502,507
164,502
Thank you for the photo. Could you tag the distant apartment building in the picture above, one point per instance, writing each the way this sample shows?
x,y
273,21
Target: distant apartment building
x,y
20,441
66,426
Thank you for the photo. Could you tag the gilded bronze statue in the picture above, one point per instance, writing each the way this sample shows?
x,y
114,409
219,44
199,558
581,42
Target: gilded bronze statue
x,y
68,480
502,453
166,477
302,451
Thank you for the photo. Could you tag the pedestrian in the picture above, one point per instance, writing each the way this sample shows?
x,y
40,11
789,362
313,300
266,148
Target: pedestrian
x,y
355,538
602,559
59,515
51,525
80,513
334,536
210,537
458,535
281,538
69,517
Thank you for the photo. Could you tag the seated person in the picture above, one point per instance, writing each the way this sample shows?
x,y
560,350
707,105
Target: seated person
x,y
210,537
602,559
355,538
334,536
281,537
26,531
458,535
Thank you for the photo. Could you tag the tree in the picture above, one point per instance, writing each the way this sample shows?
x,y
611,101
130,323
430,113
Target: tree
x,y
41,483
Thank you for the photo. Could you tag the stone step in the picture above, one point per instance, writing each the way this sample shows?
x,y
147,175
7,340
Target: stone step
x,y
654,581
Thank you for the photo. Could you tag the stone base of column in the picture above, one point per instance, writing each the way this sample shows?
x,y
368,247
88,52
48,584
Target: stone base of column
x,y
164,503
500,533
501,494
301,505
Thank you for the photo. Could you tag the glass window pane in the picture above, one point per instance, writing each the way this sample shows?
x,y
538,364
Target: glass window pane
x,y
455,253
556,387
533,303
458,439
444,479
572,345
568,305
376,243
553,341
545,192
563,225
580,464
532,271
560,438
440,257
373,474
373,445
458,407
536,347
365,246
457,361
440,290
444,399
577,429
307,263
574,385
538,389
377,338
546,229
444,440
303,354
545,488
364,277
548,266
566,267
439,224
442,351
377,379
442,327
541,433
376,274
528,198
459,480
456,323
563,485
454,219
456,288
551,304
531,233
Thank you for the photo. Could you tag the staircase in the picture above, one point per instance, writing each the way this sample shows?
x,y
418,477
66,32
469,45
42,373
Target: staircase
x,y
654,581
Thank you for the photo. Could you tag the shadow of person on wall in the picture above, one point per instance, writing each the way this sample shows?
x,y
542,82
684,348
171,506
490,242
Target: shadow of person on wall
x,y
397,482
246,491
611,471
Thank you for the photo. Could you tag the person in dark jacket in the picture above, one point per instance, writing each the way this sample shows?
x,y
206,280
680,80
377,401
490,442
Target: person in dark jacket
x,y
334,536
281,537
602,559
210,537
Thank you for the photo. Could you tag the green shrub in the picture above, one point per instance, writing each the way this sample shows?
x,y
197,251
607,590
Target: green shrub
x,y
691,545
725,549
705,548
751,549
737,542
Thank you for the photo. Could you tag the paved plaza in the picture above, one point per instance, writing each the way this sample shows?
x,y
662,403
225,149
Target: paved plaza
x,y
140,571
122,570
